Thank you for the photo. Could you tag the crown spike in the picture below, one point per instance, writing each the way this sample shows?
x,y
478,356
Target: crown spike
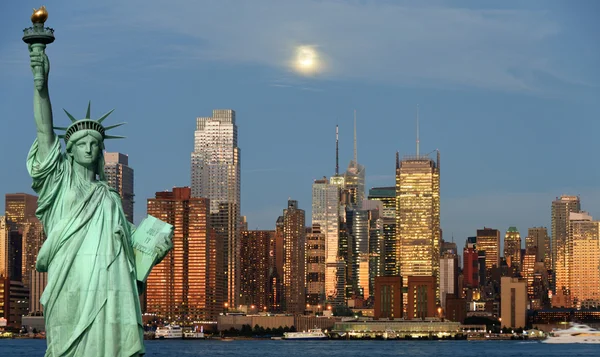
x,y
107,128
73,120
104,116
114,137
87,114
61,136
59,128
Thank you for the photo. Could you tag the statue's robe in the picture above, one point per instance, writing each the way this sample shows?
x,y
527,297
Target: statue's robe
x,y
91,304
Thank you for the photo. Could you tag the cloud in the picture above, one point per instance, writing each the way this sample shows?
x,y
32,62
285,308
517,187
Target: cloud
x,y
382,42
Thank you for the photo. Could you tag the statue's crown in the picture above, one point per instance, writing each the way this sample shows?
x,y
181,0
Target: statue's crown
x,y
88,124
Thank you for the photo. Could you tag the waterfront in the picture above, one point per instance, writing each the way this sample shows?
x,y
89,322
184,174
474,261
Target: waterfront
x,y
330,348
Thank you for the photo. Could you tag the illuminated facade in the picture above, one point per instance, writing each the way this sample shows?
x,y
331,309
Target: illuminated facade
x,y
315,266
120,177
325,214
584,235
448,276
538,237
512,248
561,247
256,268
294,238
421,297
185,286
215,168
387,196
418,218
20,206
488,241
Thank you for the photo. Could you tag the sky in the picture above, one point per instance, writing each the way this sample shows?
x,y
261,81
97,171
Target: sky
x,y
508,92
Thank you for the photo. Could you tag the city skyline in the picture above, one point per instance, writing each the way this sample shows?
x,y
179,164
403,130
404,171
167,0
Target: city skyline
x,y
471,122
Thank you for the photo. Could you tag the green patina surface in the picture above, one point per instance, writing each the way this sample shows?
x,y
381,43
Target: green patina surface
x,y
91,303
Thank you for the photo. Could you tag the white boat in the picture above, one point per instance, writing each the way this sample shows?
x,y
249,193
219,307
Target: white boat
x,y
169,331
577,333
312,334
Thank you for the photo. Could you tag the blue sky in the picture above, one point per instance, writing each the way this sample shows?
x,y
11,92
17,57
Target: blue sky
x,y
507,92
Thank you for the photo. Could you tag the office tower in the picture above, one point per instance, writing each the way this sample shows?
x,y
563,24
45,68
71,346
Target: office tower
x,y
528,269
513,302
294,239
418,217
387,196
216,176
325,214
421,297
33,238
512,247
37,284
11,254
376,244
483,271
358,250
185,285
538,237
256,268
448,276
315,265
584,262
20,206
471,264
388,297
561,253
120,177
488,241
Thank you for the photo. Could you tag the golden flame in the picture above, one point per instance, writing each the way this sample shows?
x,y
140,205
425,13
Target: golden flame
x,y
40,15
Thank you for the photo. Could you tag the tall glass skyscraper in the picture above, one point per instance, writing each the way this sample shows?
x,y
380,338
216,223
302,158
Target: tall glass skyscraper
x,y
387,196
418,217
512,248
561,249
215,172
325,213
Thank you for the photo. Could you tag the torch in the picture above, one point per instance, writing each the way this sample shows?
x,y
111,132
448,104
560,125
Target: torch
x,y
38,37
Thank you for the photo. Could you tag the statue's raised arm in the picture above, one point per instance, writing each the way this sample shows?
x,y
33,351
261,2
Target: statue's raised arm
x,y
37,37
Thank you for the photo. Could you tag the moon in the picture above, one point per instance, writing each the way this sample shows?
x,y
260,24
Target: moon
x,y
307,60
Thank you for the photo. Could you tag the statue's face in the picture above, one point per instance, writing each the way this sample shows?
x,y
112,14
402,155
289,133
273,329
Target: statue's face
x,y
86,151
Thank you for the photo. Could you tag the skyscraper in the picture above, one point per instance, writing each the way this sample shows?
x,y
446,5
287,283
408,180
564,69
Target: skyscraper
x,y
354,178
561,249
315,266
11,254
418,217
448,276
294,238
325,214
512,247
32,239
538,237
215,172
256,268
471,263
488,241
584,262
513,301
387,196
185,285
120,177
20,206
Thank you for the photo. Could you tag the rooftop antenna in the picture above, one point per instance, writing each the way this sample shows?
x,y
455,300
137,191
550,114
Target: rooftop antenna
x,y
337,151
355,152
417,131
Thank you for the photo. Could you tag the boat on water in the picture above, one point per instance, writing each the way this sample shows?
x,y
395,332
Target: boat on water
x,y
168,332
312,334
577,333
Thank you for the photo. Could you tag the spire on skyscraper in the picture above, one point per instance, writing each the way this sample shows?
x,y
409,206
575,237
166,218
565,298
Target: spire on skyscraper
x,y
355,149
337,152
417,131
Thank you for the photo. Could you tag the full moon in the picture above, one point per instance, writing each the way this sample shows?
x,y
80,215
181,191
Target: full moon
x,y
307,60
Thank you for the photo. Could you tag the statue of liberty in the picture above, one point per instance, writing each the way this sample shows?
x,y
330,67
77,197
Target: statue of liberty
x,y
91,303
